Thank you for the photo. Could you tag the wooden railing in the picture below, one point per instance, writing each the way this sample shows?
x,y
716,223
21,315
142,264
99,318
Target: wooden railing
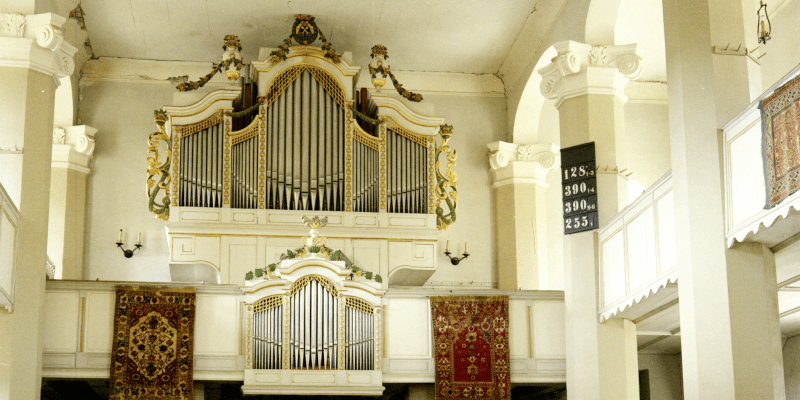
x,y
80,316
637,250
745,185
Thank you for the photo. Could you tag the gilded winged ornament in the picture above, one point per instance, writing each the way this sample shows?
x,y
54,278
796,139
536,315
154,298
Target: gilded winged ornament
x,y
156,170
446,186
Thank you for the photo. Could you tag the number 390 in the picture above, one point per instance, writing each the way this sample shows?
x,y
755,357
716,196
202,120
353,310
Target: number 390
x,y
574,189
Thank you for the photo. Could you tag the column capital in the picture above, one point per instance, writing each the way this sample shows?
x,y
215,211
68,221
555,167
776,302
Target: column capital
x,y
73,147
582,69
37,42
522,163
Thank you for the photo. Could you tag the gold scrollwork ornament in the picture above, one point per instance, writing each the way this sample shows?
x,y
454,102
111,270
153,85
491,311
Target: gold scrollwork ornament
x,y
446,186
154,168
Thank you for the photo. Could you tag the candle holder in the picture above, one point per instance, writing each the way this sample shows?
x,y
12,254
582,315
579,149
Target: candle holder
x,y
128,253
455,260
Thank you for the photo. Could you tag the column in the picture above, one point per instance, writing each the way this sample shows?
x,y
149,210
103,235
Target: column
x,y
33,55
720,292
520,180
588,84
72,150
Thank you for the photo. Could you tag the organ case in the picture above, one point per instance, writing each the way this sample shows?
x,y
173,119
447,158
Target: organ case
x,y
300,149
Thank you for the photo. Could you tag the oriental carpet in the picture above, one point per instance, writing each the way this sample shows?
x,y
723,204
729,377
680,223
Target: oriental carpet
x,y
780,113
152,345
470,338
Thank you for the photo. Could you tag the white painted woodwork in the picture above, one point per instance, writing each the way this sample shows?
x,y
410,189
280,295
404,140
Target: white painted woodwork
x,y
9,219
745,183
637,250
79,324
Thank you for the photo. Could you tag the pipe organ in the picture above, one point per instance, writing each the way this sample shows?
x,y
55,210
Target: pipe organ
x,y
313,328
305,146
308,322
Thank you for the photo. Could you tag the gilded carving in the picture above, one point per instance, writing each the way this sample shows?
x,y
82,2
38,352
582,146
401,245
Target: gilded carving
x,y
446,185
154,168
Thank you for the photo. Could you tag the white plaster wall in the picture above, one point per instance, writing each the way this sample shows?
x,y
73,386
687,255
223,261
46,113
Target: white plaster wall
x,y
782,51
115,195
647,136
476,121
665,375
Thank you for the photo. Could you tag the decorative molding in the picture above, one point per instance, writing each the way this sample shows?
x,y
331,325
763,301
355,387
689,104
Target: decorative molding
x,y
584,69
36,42
522,163
14,25
73,147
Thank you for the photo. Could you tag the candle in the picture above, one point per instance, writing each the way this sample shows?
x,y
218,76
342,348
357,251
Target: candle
x,y
119,240
763,28
139,238
447,250
465,248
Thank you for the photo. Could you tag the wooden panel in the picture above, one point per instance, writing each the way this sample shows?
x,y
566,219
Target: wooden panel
x,y
613,268
410,254
62,314
518,329
216,327
549,330
641,246
408,328
99,321
191,249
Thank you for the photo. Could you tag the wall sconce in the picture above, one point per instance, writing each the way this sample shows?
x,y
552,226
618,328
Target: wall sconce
x,y
764,26
129,253
455,260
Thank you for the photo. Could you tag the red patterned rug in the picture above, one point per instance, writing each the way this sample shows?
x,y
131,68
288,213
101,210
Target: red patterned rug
x,y
153,342
470,338
780,114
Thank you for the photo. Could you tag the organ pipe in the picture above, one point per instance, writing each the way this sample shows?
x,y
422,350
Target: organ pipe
x,y
313,329
304,159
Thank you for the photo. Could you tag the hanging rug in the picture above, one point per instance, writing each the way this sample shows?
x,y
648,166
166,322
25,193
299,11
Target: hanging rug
x,y
152,346
780,115
470,338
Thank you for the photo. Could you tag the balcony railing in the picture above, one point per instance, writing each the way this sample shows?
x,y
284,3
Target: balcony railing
x,y
637,250
745,187
79,324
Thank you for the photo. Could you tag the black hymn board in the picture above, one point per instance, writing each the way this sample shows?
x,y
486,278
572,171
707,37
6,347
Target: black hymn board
x,y
579,188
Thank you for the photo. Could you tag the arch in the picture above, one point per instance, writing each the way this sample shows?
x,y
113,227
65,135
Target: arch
x,y
529,108
601,22
64,106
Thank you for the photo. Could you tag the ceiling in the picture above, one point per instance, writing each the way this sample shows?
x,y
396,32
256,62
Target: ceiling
x,y
467,36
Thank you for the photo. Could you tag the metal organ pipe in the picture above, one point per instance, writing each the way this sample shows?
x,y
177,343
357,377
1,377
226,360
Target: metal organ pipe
x,y
200,183
304,160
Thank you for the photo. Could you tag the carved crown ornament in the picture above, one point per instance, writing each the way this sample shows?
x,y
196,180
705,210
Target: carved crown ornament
x,y
45,30
522,163
602,70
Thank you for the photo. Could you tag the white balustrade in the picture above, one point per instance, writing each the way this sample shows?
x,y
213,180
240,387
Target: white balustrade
x,y
745,185
80,317
637,253
9,220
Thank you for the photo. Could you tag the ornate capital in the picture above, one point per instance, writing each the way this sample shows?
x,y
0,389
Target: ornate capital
x,y
584,69
73,147
522,163
37,42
